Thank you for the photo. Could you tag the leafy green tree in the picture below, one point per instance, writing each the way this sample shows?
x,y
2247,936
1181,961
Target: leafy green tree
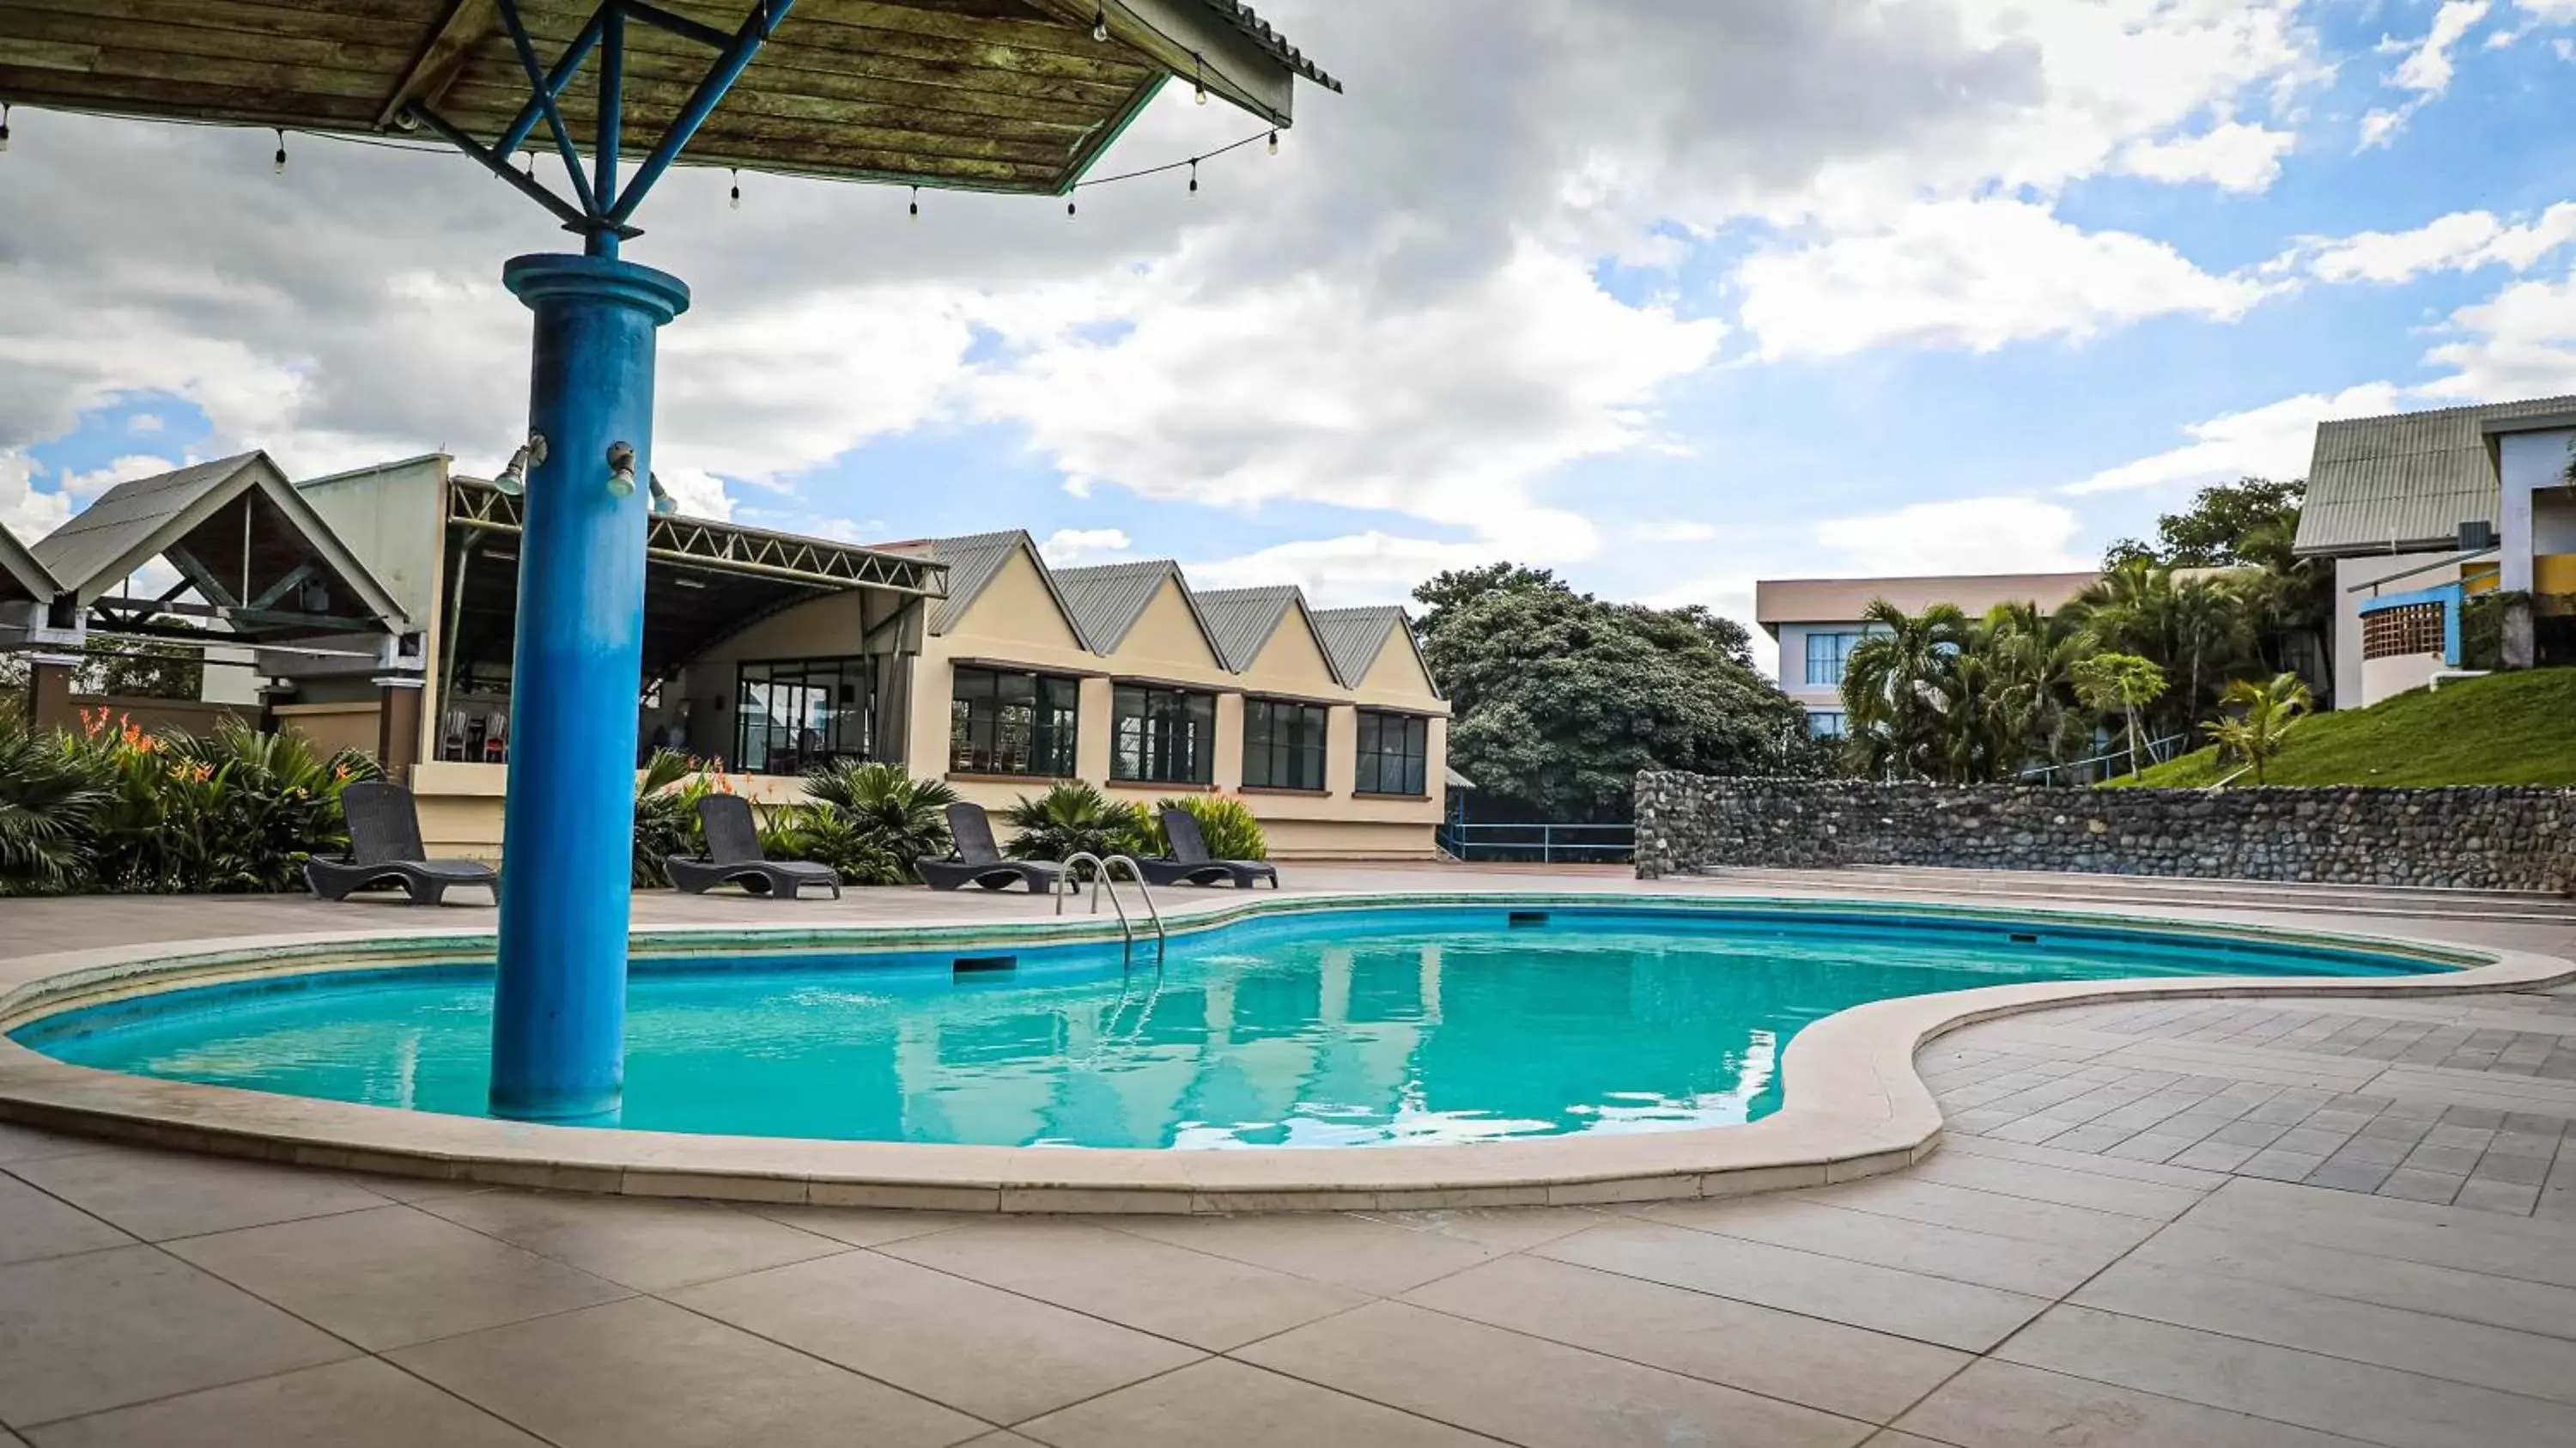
x,y
2196,629
2250,527
2259,718
1559,698
2122,684
1902,691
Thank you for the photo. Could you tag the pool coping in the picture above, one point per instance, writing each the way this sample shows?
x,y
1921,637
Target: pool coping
x,y
1853,1104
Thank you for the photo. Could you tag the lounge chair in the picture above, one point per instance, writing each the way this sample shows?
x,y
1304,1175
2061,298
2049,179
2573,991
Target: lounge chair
x,y
1189,864
385,850
979,861
733,854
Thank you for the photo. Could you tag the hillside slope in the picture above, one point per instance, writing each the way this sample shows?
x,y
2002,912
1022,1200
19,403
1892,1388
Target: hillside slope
x,y
2517,728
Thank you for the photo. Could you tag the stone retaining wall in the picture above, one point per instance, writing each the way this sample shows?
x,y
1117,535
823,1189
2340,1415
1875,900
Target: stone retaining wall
x,y
2465,838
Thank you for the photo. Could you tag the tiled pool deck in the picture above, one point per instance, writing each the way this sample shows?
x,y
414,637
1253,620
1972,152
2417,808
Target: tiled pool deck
x,y
2248,1222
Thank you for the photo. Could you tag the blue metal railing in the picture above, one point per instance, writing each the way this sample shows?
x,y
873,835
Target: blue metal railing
x,y
1545,844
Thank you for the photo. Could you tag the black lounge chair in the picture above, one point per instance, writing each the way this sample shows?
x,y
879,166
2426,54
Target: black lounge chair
x,y
979,861
733,854
1188,864
385,850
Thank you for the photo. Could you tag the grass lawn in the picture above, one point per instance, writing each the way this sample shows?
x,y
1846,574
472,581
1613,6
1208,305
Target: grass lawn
x,y
2517,728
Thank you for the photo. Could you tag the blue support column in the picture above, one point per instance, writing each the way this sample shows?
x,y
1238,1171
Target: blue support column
x,y
559,1014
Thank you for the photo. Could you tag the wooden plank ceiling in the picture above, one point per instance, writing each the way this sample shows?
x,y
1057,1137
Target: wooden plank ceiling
x,y
1001,95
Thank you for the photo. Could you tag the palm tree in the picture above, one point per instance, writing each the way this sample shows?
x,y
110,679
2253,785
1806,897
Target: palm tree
x,y
903,816
1899,687
2123,684
2260,725
48,797
2195,629
2031,658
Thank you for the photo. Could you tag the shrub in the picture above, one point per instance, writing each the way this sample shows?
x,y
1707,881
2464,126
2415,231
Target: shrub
x,y
238,811
48,801
666,815
881,819
824,835
1228,828
1074,818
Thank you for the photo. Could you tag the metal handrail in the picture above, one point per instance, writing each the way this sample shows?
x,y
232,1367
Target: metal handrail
x,y
1102,879
1143,892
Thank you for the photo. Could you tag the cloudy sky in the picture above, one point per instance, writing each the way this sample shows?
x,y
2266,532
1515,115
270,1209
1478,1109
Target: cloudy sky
x,y
1667,294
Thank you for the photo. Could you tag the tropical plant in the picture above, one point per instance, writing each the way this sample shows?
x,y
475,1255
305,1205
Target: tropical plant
x,y
1900,687
2259,720
825,836
1073,818
666,815
2122,684
1225,826
2196,629
905,817
48,798
267,802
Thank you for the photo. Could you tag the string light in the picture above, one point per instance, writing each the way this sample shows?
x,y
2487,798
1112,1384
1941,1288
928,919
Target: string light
x,y
1201,62
531,158
4,128
1100,23
1068,211
1274,143
1194,175
916,203
736,200
277,166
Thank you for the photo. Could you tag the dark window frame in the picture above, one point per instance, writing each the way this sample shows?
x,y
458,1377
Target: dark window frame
x,y
848,727
1404,761
1029,725
1289,758
1161,734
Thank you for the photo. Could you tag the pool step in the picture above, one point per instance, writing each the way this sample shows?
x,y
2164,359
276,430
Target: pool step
x,y
2509,906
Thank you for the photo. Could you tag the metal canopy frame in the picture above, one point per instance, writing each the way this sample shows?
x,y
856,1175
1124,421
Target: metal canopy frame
x,y
727,548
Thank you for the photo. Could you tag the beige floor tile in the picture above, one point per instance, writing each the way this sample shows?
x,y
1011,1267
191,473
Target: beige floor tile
x,y
1378,1258
158,1195
1513,1229
2471,1241
994,1354
864,1226
1890,1438
1242,1407
2160,1173
2007,1406
1003,1438
2441,1347
1908,1196
2320,1267
1821,1364
645,1374
2013,1264
2059,1184
1540,1394
33,1224
1929,1309
394,1275
2383,1405
359,1401
1212,1302
645,1243
104,1329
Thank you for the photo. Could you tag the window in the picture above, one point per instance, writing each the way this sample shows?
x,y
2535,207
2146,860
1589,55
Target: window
x,y
1283,745
1002,723
1167,736
794,714
1395,751
1826,655
2409,628
1827,724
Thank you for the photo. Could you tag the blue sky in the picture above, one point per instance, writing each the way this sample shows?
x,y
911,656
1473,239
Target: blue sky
x,y
1670,300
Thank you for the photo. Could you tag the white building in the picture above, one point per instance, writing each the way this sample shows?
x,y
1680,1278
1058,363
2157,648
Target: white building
x,y
1818,621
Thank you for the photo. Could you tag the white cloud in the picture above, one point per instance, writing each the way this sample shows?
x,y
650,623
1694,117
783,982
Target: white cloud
x,y
26,513
2519,343
2425,74
143,424
1977,275
1964,535
1673,532
1370,567
2271,441
695,491
2460,241
85,487
2235,156
1067,547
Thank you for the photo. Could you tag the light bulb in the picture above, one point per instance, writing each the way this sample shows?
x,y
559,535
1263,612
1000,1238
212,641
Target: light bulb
x,y
621,470
1194,178
4,128
916,203
1202,95
736,200
1068,211
1274,143
1200,63
1100,23
277,167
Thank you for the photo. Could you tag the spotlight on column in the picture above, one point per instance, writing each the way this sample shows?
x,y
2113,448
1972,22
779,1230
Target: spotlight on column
x,y
664,505
514,478
621,470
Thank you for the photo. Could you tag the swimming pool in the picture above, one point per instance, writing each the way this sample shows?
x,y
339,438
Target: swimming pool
x,y
1321,1028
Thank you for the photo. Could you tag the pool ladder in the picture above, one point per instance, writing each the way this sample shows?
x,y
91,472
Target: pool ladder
x,y
1102,879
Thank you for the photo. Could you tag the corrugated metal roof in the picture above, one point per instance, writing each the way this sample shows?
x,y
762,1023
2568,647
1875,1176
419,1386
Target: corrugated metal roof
x,y
1106,600
973,561
1241,620
125,518
2405,481
22,578
1240,16
1353,636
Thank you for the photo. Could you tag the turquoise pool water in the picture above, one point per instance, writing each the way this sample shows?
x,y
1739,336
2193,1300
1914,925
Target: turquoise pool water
x,y
1337,1028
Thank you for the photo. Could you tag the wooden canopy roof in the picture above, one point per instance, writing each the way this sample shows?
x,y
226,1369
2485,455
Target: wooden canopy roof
x,y
998,95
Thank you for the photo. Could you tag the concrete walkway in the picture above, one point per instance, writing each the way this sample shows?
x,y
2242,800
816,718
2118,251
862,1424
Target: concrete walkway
x,y
2249,1223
